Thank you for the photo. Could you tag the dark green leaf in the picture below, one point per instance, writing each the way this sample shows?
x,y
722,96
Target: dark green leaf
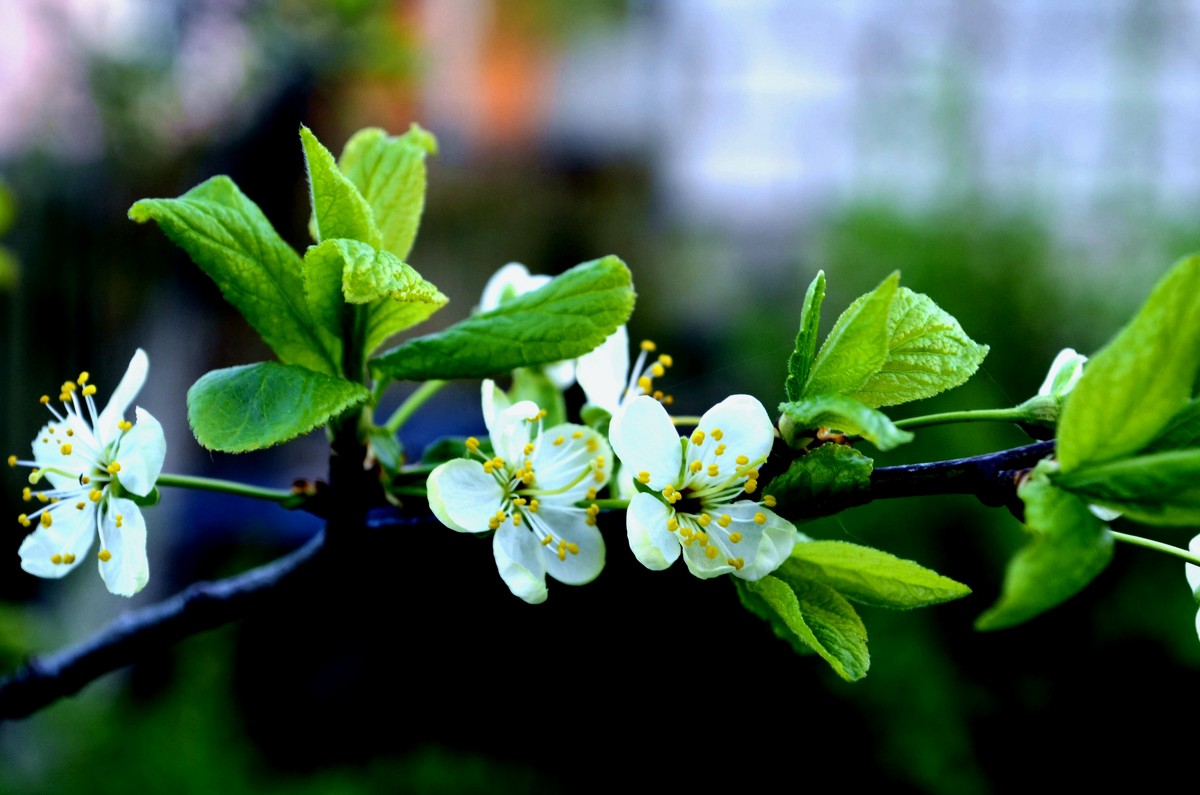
x,y
801,360
1159,489
448,448
820,478
1182,431
868,575
260,405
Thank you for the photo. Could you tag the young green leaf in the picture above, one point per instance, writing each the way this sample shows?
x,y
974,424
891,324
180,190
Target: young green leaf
x,y
801,360
857,346
813,480
232,241
260,405
1183,431
389,171
845,414
758,606
869,576
339,210
1137,383
928,353
821,619
1158,489
563,319
1069,547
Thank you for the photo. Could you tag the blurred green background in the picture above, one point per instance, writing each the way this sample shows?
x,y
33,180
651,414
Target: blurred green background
x,y
1030,166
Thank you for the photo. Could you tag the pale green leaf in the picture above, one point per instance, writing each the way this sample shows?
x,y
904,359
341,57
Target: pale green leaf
x,y
232,241
389,171
869,576
857,346
339,210
758,606
823,477
928,353
1159,489
259,405
801,360
845,414
563,319
1181,432
1137,383
821,619
1068,547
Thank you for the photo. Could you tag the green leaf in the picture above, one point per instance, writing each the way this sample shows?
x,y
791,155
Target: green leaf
x,y
845,414
801,360
535,385
1069,547
758,606
928,353
259,405
818,479
1137,383
1158,489
821,619
869,576
857,346
339,210
563,319
1181,432
448,448
389,171
230,239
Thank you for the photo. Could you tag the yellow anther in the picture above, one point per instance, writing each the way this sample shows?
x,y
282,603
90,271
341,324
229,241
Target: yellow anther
x,y
760,518
489,467
68,558
713,470
742,460
498,462
72,433
711,553
687,532
493,523
751,485
720,450
12,460
572,547
702,537
725,520
751,473
577,435
737,563
676,497
95,494
644,383
590,521
648,346
704,520
27,494
533,506
558,440
56,559
672,524
591,494
592,445
665,360
105,556
547,541
52,500
23,519
695,467
83,377
697,436
114,468
658,394
529,448
668,491
657,370
668,400
643,477
520,501
44,400
65,449
769,500
527,477
600,460
68,387
516,517
79,506
120,520
735,537
593,509
46,520
89,390
562,550
472,444
84,480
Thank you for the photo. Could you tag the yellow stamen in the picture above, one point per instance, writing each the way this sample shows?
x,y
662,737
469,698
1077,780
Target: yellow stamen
x,y
12,460
558,440
702,537
720,450
472,444
598,476
737,563
65,449
672,524
547,541
489,467
562,550
711,553
44,400
697,436
46,520
516,517
23,519
114,468
657,370
69,558
713,470
592,445
27,494
529,448
84,480
105,556
742,460
665,360
735,537
648,346
725,520
56,559
769,500
89,390
643,477
520,501
751,485
72,433
80,506
95,494
572,547
644,383
83,377
760,518
533,506
718,434
704,520
695,467
591,494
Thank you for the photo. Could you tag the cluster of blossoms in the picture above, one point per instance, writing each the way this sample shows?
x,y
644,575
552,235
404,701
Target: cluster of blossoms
x,y
93,463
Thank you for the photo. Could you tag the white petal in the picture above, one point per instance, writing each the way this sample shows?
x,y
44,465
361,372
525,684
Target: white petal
x,y
1193,571
520,563
652,543
701,565
462,496
128,570
131,383
141,453
557,465
47,452
745,428
512,431
494,402
507,283
779,536
561,374
71,533
570,524
645,440
604,372
1065,371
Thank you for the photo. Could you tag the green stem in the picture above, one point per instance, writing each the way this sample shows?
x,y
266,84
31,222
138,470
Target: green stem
x,y
685,420
226,486
414,402
614,504
1157,546
1015,414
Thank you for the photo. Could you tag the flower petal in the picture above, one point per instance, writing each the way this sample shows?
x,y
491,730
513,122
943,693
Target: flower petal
x,y
557,466
570,525
520,563
494,402
48,447
779,536
745,429
128,570
603,373
140,454
1191,570
645,440
507,283
462,496
131,383
512,431
652,543
71,533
